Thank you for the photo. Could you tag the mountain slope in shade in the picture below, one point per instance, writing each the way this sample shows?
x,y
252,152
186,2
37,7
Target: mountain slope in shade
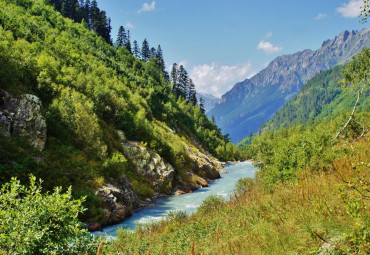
x,y
253,101
209,100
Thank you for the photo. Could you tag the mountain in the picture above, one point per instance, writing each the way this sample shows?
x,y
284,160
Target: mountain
x,y
321,97
77,111
253,101
209,100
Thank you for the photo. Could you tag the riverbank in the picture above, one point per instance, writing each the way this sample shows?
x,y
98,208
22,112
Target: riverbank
x,y
121,201
188,202
318,213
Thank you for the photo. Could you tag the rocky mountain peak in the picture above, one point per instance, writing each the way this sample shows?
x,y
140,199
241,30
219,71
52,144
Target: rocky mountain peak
x,y
253,101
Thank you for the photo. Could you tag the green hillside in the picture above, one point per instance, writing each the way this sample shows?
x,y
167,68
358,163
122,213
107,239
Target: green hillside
x,y
90,92
321,97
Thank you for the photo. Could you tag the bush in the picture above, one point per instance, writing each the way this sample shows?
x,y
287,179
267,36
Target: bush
x,y
211,203
36,223
142,189
244,185
177,216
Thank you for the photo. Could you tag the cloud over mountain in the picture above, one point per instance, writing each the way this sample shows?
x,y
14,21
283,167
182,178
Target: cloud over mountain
x,y
216,79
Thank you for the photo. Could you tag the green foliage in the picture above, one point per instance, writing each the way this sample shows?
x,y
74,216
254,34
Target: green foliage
x,y
212,203
177,216
244,185
37,223
142,189
116,166
89,90
357,71
311,101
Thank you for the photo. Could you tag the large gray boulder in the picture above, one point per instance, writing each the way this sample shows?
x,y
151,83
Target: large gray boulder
x,y
119,200
149,164
23,117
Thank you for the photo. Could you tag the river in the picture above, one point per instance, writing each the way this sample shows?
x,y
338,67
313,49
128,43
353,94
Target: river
x,y
187,202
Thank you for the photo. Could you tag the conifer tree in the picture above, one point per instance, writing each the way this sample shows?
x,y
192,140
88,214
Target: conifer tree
x,y
121,37
136,50
160,61
201,104
128,42
183,82
87,13
192,96
174,77
145,51
153,52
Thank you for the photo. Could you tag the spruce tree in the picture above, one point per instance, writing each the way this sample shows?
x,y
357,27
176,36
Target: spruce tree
x,y
160,62
192,96
87,13
145,51
153,52
136,50
174,78
128,43
183,82
201,104
121,37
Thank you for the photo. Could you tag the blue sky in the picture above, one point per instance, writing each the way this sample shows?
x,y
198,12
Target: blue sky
x,y
221,42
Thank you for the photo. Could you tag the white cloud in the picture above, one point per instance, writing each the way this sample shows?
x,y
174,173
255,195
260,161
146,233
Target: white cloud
x,y
268,35
147,7
268,47
129,25
320,16
351,9
216,79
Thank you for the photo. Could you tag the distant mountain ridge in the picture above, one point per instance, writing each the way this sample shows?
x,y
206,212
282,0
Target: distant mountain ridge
x,y
209,100
253,101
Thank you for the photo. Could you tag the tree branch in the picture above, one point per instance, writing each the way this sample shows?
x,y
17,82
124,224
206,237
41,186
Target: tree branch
x,y
353,111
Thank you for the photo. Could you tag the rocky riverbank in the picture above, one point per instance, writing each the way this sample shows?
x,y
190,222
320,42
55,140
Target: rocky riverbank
x,y
119,198
24,116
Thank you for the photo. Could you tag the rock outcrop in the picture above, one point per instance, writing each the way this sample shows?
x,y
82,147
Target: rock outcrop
x,y
203,165
119,200
23,117
149,164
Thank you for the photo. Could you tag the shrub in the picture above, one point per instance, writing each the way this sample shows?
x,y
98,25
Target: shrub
x,y
177,216
142,189
211,203
244,185
36,223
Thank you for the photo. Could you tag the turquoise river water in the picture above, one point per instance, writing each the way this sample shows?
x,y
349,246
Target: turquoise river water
x,y
187,202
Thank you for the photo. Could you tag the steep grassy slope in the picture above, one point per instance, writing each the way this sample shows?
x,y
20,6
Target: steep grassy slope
x,y
90,91
321,96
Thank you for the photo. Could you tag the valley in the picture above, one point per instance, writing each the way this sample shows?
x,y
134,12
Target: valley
x,y
107,148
